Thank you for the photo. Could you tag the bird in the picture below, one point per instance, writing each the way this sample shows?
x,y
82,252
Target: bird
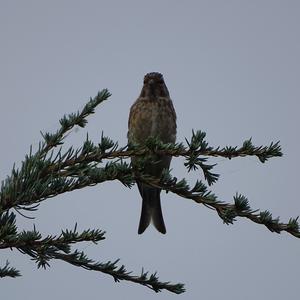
x,y
152,115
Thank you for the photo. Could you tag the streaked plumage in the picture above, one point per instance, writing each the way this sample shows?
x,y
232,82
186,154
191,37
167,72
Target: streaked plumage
x,y
152,114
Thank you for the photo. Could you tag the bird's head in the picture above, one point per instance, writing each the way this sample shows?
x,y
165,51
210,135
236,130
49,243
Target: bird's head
x,y
154,86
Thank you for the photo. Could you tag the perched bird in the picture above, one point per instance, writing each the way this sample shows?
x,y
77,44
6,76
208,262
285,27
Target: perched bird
x,y
152,115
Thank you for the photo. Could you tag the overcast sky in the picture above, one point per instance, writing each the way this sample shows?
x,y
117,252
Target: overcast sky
x,y
232,69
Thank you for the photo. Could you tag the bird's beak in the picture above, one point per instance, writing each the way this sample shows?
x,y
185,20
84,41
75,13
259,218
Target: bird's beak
x,y
151,82
151,85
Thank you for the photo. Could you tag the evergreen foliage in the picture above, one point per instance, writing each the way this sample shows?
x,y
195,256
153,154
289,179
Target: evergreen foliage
x,y
52,170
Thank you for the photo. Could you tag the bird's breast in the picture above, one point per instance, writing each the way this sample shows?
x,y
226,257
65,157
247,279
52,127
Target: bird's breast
x,y
153,118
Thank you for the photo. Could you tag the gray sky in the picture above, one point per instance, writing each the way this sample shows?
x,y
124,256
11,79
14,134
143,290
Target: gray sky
x,y
232,69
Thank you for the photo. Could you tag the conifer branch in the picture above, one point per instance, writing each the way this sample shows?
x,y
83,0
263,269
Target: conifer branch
x,y
42,177
46,174
52,171
67,122
151,281
8,271
226,211
42,250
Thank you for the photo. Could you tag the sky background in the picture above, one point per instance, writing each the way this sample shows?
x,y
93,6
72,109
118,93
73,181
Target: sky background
x,y
232,69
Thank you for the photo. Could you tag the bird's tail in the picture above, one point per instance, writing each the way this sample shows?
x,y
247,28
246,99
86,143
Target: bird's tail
x,y
151,209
